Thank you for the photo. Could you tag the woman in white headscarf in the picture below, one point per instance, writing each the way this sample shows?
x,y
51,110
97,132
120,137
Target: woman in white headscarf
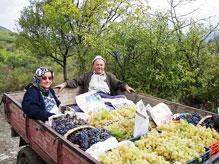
x,y
40,101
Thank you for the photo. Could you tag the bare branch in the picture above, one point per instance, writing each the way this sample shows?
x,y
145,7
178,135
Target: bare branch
x,y
112,16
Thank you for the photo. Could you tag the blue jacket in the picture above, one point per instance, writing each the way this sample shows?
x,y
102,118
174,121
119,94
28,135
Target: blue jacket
x,y
33,104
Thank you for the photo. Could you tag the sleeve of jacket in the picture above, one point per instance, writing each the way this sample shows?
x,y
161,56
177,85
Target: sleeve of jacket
x,y
115,83
33,107
74,83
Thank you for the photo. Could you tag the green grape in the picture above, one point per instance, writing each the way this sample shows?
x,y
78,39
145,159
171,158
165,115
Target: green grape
x,y
123,129
131,154
175,142
119,122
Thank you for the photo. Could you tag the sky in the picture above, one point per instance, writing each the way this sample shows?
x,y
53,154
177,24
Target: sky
x,y
205,9
10,10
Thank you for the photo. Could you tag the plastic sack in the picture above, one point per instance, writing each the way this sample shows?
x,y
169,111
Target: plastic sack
x,y
50,119
81,115
101,147
119,103
141,120
55,110
89,102
161,114
126,142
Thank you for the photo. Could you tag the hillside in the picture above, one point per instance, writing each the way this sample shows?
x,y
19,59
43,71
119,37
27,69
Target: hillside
x,y
6,36
4,29
7,39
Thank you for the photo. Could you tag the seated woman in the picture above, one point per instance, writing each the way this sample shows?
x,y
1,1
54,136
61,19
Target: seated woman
x,y
40,101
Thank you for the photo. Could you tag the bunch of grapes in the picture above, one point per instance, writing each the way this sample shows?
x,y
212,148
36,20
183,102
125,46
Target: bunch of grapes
x,y
87,137
122,129
105,117
131,154
170,146
101,118
119,122
193,118
211,122
198,134
169,143
63,124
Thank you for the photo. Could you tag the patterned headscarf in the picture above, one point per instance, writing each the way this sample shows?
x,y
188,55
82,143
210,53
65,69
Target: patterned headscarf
x,y
38,75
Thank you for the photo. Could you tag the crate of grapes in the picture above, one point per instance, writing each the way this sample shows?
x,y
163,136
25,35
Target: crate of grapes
x,y
77,129
86,135
214,148
204,157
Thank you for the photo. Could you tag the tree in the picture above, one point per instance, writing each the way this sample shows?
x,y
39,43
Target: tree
x,y
60,29
45,32
127,43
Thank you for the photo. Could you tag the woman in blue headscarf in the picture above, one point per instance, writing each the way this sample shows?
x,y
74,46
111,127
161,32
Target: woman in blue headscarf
x,y
40,101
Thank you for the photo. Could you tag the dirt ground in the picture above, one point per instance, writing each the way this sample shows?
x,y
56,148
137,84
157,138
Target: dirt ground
x,y
8,146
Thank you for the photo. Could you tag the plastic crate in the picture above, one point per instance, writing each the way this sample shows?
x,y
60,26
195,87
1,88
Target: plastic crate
x,y
204,157
214,148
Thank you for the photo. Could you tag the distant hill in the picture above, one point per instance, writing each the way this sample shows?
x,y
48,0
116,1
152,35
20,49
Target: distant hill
x,y
6,36
4,29
7,39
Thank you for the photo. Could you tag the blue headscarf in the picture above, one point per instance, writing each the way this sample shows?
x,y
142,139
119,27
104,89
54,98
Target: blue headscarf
x,y
37,78
38,75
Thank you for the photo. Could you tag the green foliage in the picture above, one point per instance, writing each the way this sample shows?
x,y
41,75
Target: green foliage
x,y
150,53
17,69
7,39
7,36
170,64
60,29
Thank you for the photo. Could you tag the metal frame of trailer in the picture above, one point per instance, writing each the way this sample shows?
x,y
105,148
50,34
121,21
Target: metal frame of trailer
x,y
51,146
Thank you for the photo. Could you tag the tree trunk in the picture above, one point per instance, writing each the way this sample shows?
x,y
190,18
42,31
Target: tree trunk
x,y
65,69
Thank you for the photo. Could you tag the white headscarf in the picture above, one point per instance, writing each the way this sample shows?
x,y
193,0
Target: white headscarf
x,y
98,57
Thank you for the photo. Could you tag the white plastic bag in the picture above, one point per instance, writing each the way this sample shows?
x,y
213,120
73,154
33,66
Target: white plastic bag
x,y
50,119
55,110
81,115
119,103
101,147
141,120
161,114
89,102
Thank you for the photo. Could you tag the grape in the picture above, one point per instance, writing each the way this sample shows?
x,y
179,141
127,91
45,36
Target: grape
x,y
119,122
62,125
211,122
170,143
131,154
122,129
193,118
87,137
105,117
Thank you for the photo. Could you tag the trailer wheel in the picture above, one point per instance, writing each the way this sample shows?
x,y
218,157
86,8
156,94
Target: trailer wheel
x,y
28,156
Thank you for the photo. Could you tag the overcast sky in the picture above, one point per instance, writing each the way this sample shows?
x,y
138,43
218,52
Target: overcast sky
x,y
205,8
10,10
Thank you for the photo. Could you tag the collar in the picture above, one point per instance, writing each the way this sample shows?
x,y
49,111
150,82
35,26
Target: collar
x,y
103,74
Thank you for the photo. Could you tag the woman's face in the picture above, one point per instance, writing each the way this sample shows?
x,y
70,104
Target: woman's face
x,y
46,80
